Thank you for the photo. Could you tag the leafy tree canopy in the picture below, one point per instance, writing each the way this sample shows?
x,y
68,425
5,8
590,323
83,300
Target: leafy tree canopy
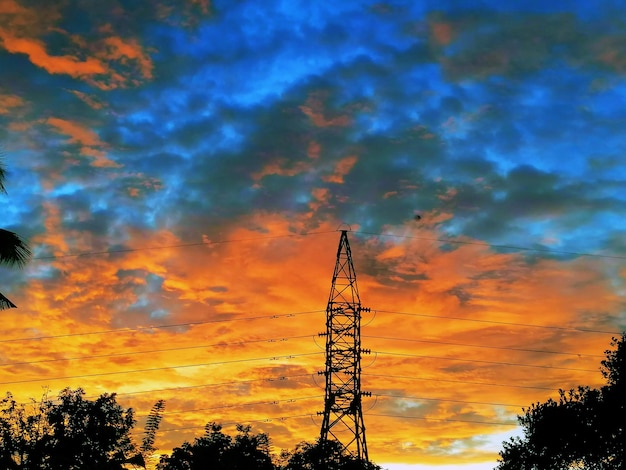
x,y
74,433
216,450
322,456
584,429
71,434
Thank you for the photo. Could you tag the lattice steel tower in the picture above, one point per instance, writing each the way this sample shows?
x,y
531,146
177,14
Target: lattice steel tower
x,y
343,415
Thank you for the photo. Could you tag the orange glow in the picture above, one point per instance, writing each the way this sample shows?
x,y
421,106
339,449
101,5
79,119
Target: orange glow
x,y
7,102
241,302
36,52
342,168
277,167
442,33
87,138
119,49
314,109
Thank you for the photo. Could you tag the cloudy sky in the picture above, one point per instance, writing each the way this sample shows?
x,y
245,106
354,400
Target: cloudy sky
x,y
180,170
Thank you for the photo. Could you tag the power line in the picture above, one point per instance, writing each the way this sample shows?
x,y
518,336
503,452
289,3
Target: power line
x,y
153,369
464,382
493,245
286,339
189,387
293,314
480,346
262,420
512,405
132,353
218,384
495,322
447,420
516,364
238,405
179,245
174,325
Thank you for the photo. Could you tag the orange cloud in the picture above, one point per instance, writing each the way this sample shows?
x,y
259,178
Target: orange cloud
x,y
313,150
205,5
314,109
610,52
442,32
78,133
107,62
277,167
342,168
90,100
123,50
321,196
449,195
87,138
36,52
8,102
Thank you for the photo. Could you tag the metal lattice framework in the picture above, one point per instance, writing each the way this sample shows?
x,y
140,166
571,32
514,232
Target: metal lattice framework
x,y
343,414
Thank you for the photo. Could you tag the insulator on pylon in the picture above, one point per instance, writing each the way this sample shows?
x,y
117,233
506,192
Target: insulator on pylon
x,y
366,309
366,351
366,394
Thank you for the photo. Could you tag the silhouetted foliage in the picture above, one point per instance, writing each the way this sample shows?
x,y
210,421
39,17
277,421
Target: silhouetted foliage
x,y
13,250
72,434
217,451
152,426
327,456
584,429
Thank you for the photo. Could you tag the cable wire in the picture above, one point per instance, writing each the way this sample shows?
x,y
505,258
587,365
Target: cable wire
x,y
238,405
447,420
153,369
218,384
496,322
465,382
174,325
263,420
512,405
132,353
294,314
503,348
516,364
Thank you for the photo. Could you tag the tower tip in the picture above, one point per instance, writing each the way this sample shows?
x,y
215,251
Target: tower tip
x,y
341,227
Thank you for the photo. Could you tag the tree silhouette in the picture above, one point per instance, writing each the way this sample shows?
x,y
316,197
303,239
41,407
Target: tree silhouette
x,y
73,434
13,250
330,455
218,451
584,429
152,426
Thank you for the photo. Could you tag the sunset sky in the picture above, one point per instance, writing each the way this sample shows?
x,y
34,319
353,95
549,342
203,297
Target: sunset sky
x,y
180,170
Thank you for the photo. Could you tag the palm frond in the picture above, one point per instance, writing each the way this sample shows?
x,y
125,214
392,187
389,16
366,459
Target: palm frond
x,y
13,250
3,174
6,303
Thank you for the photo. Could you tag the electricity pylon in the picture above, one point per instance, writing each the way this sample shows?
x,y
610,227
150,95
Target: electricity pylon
x,y
343,415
